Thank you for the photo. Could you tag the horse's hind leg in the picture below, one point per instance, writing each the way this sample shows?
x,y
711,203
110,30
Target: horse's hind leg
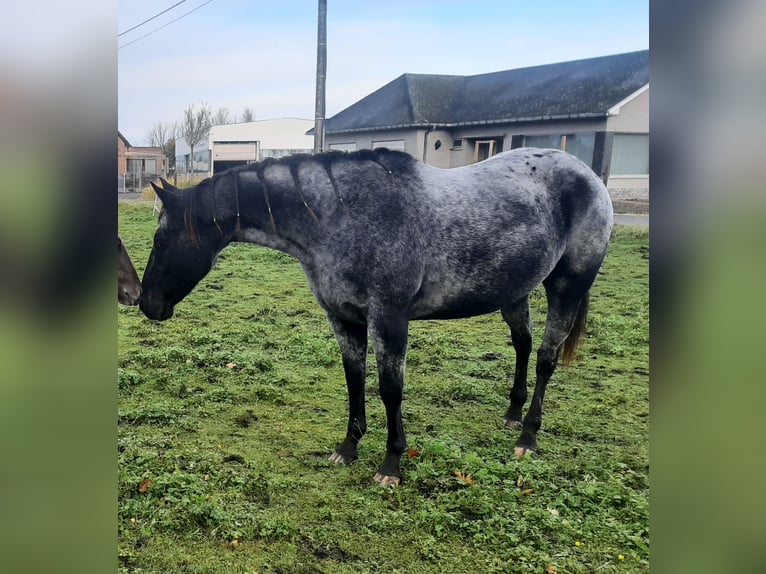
x,y
567,308
352,339
518,319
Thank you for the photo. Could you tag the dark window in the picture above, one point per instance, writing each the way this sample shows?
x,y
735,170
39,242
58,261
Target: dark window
x,y
487,148
579,145
630,154
549,141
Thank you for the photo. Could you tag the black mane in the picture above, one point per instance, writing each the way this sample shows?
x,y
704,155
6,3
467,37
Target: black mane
x,y
384,156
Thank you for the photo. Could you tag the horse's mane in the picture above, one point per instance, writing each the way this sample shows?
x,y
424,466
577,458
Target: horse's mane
x,y
326,158
189,197
387,158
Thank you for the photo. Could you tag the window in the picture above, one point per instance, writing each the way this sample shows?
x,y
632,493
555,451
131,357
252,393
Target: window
x,y
630,154
344,146
457,144
546,141
484,149
579,145
390,144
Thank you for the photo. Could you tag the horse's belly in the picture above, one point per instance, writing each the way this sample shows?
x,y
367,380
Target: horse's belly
x,y
459,310
446,301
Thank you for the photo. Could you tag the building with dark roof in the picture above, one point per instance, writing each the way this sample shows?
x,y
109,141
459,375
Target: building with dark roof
x,y
596,109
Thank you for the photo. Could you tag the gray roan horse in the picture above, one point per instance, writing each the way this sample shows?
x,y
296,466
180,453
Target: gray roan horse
x,y
128,283
384,239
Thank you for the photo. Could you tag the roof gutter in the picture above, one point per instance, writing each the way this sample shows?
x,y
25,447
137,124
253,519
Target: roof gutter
x,y
448,125
425,140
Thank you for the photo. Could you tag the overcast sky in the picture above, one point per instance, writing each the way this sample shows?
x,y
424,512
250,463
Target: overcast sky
x,y
262,53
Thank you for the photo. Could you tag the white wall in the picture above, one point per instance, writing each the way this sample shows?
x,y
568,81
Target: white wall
x,y
632,116
282,133
364,140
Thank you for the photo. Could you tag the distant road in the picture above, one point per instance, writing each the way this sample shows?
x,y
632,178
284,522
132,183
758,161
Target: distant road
x,y
632,219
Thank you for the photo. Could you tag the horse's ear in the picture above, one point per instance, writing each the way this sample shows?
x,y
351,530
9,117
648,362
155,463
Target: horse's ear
x,y
170,196
168,185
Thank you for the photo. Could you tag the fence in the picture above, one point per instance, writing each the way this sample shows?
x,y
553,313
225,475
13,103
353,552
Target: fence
x,y
136,182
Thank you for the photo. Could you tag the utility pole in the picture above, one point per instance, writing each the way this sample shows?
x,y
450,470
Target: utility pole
x,y
321,77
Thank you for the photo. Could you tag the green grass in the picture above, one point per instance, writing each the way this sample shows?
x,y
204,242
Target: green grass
x,y
231,408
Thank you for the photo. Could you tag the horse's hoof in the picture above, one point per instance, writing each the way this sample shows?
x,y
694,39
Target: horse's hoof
x,y
522,451
341,459
385,480
513,425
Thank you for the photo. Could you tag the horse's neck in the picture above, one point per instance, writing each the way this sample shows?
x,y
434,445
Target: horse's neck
x,y
274,213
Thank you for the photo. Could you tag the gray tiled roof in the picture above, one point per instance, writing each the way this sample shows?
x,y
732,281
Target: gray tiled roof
x,y
580,88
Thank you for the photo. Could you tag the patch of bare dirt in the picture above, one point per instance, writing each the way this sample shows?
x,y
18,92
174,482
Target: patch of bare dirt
x,y
639,206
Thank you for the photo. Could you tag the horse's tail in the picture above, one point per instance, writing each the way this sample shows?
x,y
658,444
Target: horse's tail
x,y
578,330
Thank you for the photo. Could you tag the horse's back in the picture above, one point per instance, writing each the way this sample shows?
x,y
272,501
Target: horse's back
x,y
443,243
546,190
495,230
579,201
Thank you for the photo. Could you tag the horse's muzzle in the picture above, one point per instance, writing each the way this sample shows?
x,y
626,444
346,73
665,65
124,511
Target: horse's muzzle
x,y
155,312
126,298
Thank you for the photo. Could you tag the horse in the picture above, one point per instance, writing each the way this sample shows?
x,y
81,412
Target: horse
x,y
385,239
128,282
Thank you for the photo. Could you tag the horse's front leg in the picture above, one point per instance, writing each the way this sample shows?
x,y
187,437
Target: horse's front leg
x,y
389,339
352,339
518,319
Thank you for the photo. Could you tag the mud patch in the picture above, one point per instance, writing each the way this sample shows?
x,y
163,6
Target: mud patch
x,y
327,552
238,458
246,419
638,206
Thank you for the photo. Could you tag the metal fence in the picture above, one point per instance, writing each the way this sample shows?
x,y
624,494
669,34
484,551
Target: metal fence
x,y
136,181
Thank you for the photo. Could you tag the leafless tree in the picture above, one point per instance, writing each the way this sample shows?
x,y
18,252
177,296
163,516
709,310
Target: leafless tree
x,y
195,126
170,153
247,114
222,117
164,136
158,135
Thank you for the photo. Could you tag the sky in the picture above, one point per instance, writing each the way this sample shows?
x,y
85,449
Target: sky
x,y
261,54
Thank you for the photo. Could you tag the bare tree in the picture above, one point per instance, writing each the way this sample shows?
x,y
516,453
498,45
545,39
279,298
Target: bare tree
x,y
170,153
195,127
158,135
247,114
164,136
222,117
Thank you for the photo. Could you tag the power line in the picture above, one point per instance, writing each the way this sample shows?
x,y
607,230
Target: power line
x,y
164,25
150,19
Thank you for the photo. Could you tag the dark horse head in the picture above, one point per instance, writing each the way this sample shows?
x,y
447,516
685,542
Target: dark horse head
x,y
184,251
128,283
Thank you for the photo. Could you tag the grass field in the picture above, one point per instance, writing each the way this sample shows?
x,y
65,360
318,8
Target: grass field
x,y
228,412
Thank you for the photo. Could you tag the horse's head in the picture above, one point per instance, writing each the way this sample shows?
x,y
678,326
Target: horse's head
x,y
128,283
182,254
